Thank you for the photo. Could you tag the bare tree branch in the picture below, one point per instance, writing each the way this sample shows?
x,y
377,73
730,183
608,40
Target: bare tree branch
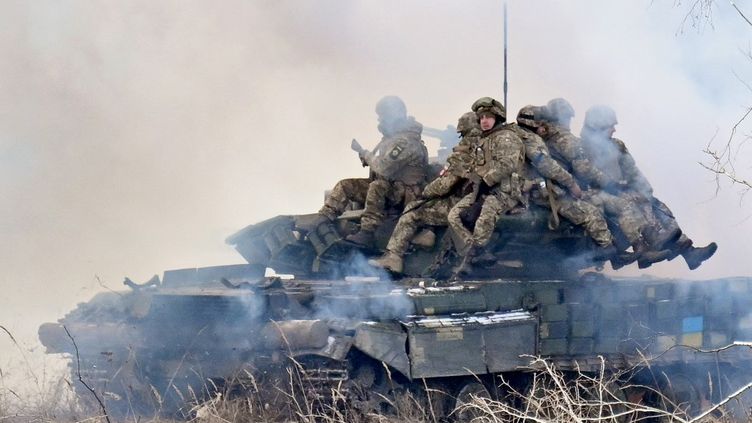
x,y
740,12
81,379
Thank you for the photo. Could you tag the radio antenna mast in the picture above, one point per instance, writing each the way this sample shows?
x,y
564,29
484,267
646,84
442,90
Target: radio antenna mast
x,y
506,87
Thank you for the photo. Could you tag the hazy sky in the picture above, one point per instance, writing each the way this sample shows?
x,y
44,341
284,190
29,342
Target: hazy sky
x,y
135,136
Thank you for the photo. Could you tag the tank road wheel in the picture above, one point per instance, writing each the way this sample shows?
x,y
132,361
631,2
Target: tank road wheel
x,y
469,401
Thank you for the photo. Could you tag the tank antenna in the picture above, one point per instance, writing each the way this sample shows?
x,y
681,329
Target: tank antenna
x,y
506,87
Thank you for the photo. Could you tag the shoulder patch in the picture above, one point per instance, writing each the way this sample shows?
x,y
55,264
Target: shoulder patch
x,y
396,151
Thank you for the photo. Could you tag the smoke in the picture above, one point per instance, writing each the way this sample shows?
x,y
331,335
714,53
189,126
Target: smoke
x,y
135,136
368,293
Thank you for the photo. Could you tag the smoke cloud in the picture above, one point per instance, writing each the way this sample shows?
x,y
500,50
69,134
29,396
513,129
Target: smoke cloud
x,y
134,137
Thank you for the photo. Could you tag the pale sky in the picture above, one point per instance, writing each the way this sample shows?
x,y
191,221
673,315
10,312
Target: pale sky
x,y
135,136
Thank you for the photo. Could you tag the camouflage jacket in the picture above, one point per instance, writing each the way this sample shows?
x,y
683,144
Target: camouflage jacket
x,y
617,167
456,174
567,150
499,158
539,157
401,155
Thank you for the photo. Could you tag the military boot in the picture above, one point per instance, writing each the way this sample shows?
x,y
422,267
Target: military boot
x,y
389,261
622,259
695,256
363,238
682,245
647,256
658,240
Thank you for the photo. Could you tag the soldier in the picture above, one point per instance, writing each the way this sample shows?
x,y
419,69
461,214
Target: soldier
x,y
620,175
498,158
399,166
439,196
550,184
567,150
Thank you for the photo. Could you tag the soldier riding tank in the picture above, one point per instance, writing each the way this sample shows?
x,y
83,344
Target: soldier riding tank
x,y
346,327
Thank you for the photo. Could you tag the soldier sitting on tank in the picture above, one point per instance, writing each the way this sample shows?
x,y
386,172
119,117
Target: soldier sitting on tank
x,y
648,245
499,162
439,196
549,184
620,176
399,165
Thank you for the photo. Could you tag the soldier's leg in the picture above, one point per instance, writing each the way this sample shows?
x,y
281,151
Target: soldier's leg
x,y
629,219
693,256
376,197
633,224
344,191
433,213
454,219
493,207
584,214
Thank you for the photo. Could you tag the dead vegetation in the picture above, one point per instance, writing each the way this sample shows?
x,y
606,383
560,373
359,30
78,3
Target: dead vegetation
x,y
541,393
548,395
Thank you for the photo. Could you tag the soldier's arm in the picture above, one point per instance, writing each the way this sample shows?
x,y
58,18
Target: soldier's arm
x,y
537,154
398,155
634,178
440,186
570,148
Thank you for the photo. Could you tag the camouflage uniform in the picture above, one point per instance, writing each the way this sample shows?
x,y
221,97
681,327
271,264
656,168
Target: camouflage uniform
x,y
620,176
398,164
567,149
498,158
439,196
557,179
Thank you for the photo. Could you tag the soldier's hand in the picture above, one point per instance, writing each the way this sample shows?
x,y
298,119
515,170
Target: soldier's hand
x,y
575,190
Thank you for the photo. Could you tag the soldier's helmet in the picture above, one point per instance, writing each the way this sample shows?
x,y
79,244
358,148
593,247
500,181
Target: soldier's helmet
x,y
391,107
467,123
488,104
600,117
559,110
530,116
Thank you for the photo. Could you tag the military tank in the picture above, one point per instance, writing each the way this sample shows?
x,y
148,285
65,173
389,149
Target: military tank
x,y
306,317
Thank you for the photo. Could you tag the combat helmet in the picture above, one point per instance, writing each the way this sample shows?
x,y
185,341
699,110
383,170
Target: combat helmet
x,y
488,104
600,117
392,107
559,110
530,116
467,123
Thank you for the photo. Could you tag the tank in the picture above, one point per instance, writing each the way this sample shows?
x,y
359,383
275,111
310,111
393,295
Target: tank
x,y
306,317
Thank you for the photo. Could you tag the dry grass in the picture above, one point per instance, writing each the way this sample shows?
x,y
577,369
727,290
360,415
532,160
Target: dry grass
x,y
548,395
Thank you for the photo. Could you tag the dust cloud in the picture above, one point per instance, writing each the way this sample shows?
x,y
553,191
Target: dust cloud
x,y
135,136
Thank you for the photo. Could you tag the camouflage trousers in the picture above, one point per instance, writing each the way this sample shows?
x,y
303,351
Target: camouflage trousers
x,y
431,213
580,213
658,216
375,194
494,205
628,216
